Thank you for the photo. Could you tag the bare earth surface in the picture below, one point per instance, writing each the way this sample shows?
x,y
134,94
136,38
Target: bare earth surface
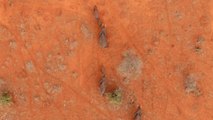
x,y
159,57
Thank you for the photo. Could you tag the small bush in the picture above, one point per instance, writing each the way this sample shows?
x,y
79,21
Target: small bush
x,y
115,97
5,98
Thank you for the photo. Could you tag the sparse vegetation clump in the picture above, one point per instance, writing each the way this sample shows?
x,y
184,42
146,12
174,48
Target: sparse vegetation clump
x,y
198,44
115,97
5,98
130,66
191,85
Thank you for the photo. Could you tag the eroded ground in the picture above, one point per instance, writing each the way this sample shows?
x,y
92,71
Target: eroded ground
x,y
159,57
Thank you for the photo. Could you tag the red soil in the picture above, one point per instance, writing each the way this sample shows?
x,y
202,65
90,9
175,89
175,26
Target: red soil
x,y
159,56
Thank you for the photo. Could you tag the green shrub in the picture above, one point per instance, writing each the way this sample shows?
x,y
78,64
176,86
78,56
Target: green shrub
x,y
5,98
115,97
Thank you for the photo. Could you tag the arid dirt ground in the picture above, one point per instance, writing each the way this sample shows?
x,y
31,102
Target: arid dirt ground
x,y
159,57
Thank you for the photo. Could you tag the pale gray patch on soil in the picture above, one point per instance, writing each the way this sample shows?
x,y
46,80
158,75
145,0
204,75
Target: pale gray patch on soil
x,y
55,63
73,45
21,98
130,66
12,44
70,45
74,75
86,31
29,66
22,28
2,82
37,98
190,85
52,88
